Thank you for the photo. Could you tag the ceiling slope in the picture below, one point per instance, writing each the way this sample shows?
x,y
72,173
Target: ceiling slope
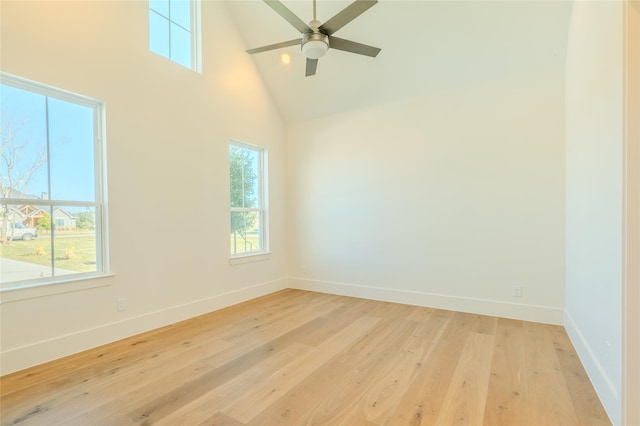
x,y
426,46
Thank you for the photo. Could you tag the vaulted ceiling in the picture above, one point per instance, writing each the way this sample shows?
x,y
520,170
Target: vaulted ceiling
x,y
426,46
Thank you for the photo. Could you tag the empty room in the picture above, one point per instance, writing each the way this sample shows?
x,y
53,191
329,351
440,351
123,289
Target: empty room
x,y
337,212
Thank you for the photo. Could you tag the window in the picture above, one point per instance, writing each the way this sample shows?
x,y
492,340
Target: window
x,y
247,166
52,214
174,31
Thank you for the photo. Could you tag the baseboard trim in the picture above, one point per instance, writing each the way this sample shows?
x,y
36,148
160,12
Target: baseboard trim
x,y
542,314
17,359
602,383
48,350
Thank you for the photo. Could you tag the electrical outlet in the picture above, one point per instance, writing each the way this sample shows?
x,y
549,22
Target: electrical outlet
x,y
122,304
516,291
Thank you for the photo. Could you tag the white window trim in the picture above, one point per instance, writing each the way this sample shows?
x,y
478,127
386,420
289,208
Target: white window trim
x,y
196,36
33,288
79,282
263,254
249,258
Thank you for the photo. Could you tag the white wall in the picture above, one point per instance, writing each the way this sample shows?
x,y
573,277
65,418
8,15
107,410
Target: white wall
x,y
167,135
594,143
445,200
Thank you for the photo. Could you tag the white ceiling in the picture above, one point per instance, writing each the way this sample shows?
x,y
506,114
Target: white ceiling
x,y
426,46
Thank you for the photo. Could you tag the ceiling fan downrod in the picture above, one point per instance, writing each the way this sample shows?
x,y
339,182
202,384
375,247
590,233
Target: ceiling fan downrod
x,y
316,44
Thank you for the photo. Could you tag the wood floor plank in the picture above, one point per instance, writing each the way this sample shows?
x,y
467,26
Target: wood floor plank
x,y
352,420
380,400
94,391
204,406
340,318
78,364
115,410
551,403
484,324
343,394
271,325
349,390
424,397
466,395
220,419
329,394
585,400
259,398
374,344
420,313
223,367
300,358
508,397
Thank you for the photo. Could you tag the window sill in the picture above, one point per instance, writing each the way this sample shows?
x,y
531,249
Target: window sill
x,y
258,257
42,289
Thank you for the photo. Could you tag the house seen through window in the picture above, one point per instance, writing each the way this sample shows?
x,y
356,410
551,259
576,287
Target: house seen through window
x,y
52,218
248,212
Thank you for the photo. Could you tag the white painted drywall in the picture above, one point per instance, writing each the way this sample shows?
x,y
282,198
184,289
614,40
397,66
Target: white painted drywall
x,y
167,134
447,199
594,158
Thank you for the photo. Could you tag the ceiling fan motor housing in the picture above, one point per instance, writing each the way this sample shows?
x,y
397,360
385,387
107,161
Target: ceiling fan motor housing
x,y
315,45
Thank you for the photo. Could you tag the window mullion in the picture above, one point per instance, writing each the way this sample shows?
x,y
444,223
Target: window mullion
x,y
170,22
48,151
242,179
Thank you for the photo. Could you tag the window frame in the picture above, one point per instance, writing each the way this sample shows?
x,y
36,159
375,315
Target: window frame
x,y
100,184
195,33
262,209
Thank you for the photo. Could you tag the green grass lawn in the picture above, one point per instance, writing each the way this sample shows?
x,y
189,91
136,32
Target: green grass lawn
x,y
75,253
251,244
78,253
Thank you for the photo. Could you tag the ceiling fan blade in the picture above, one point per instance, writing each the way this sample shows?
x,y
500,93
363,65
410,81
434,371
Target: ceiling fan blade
x,y
347,15
288,15
274,46
312,64
353,47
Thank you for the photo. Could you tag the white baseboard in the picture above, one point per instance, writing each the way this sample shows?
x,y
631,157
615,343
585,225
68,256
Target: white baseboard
x,y
48,350
542,314
602,383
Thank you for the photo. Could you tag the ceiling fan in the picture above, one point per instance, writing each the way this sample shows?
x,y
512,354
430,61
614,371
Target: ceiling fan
x,y
317,37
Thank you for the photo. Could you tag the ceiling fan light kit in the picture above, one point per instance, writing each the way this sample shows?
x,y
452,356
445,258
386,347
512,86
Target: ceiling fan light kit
x,y
317,38
315,45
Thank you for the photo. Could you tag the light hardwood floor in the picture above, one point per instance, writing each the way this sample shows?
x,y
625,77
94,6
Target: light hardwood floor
x,y
301,358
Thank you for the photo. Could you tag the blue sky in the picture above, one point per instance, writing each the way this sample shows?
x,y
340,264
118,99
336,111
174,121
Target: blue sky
x,y
170,30
70,138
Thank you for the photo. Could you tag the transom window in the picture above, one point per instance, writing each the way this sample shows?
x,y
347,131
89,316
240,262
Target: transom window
x,y
174,31
52,209
247,166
